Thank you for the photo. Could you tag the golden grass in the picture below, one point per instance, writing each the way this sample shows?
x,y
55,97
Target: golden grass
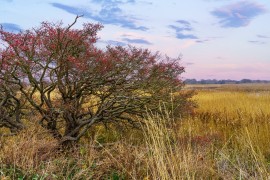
x,y
240,119
226,138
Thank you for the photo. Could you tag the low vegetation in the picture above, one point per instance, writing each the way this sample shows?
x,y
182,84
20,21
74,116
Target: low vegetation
x,y
226,137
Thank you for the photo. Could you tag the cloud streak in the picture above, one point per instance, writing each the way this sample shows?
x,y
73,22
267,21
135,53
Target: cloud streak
x,y
263,37
109,14
115,43
112,2
137,41
257,42
202,41
10,27
181,28
239,14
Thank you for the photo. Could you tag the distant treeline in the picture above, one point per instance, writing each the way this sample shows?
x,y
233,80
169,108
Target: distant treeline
x,y
214,81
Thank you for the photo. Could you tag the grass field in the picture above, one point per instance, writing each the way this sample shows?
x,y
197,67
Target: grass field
x,y
227,137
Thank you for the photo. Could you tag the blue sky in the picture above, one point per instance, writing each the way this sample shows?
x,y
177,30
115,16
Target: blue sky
x,y
217,39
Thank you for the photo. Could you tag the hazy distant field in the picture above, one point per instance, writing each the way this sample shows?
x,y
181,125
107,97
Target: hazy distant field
x,y
227,137
231,87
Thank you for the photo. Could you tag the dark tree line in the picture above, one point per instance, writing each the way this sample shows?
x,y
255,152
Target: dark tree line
x,y
228,81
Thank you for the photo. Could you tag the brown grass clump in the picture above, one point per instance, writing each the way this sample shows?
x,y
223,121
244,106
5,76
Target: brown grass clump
x,y
28,150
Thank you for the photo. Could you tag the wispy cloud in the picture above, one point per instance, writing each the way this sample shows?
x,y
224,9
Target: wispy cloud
x,y
186,23
109,14
202,40
113,2
239,14
257,42
185,36
115,43
136,41
216,0
10,27
207,39
72,10
263,36
180,29
260,40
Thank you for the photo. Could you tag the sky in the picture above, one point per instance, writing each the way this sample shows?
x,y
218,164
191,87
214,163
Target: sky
x,y
216,39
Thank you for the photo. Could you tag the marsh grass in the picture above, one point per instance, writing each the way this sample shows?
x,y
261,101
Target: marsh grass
x,y
226,138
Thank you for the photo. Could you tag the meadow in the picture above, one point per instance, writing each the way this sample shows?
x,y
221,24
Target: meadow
x,y
226,137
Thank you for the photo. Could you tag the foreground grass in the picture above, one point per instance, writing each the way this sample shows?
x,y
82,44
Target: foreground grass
x,y
226,138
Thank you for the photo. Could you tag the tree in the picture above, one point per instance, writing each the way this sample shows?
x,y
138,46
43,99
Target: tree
x,y
73,84
10,109
11,103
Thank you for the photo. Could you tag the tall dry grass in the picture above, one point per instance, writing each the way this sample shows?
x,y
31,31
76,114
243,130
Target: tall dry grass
x,y
241,117
169,157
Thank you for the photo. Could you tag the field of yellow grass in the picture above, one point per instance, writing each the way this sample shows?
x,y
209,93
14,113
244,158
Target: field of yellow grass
x,y
227,137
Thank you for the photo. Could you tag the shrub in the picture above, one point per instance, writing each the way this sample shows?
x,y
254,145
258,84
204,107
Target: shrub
x,y
73,84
